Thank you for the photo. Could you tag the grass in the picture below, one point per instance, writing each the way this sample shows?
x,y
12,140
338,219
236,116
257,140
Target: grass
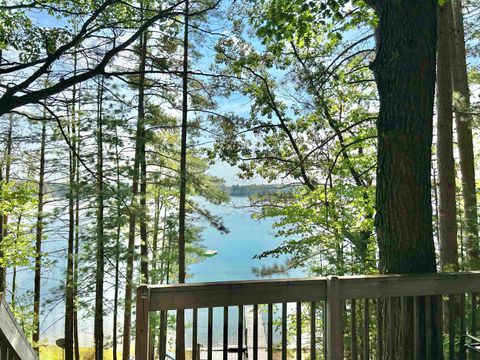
x,y
52,352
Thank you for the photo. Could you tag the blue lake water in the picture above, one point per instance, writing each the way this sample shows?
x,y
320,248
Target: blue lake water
x,y
236,250
234,261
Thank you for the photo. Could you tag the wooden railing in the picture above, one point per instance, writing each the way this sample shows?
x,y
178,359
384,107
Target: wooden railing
x,y
13,342
335,318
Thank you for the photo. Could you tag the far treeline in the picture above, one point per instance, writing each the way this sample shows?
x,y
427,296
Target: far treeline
x,y
360,115
255,190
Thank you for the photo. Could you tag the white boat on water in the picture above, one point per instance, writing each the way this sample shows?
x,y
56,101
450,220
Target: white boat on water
x,y
209,253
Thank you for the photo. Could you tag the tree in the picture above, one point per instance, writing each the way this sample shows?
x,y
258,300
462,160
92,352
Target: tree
x,y
6,161
100,253
463,121
406,86
180,338
39,239
59,44
139,133
445,161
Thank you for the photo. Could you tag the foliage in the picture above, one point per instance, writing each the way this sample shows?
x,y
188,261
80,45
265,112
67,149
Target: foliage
x,y
17,200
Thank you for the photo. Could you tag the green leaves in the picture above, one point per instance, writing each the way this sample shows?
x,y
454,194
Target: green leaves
x,y
279,22
17,201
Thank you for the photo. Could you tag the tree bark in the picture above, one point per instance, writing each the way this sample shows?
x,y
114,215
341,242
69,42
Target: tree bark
x,y
405,74
38,241
4,217
100,254
463,121
406,87
117,252
143,205
180,338
69,283
445,159
132,215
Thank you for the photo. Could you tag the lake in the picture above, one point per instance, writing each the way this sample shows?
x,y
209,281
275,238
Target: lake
x,y
234,261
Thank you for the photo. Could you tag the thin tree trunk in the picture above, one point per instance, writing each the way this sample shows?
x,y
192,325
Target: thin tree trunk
x,y
143,176
69,283
38,241
143,208
4,216
405,74
14,275
76,245
445,160
117,253
100,256
463,121
180,337
132,214
76,146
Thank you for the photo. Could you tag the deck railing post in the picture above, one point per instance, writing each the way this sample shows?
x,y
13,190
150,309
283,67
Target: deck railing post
x,y
334,320
142,347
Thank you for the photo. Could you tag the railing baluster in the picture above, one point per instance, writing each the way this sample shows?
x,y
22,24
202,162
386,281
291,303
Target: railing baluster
x,y
428,327
313,345
324,317
353,330
463,329
379,330
180,336
451,327
255,332
225,333
284,331
194,335
416,328
366,330
162,347
473,324
210,334
299,330
3,350
390,337
270,332
403,326
240,332
439,314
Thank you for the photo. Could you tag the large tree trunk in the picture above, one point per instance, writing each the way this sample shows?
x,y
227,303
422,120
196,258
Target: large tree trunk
x,y
445,160
132,212
405,74
100,255
463,123
38,241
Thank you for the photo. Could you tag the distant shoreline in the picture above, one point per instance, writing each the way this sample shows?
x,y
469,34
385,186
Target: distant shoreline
x,y
252,190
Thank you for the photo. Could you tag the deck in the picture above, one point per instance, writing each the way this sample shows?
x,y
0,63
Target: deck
x,y
331,318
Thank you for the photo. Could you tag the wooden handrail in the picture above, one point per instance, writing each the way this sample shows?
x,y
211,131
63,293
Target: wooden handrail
x,y
235,293
12,336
